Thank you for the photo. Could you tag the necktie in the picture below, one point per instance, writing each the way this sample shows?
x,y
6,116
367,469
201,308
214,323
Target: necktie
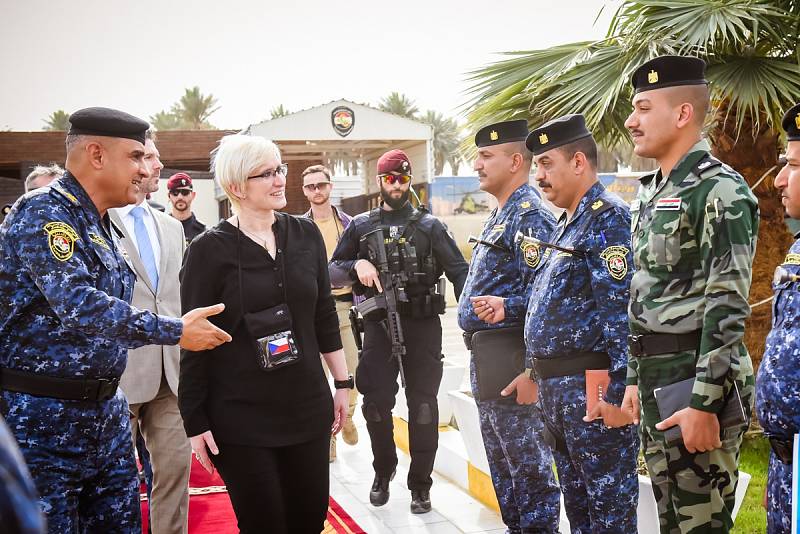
x,y
145,247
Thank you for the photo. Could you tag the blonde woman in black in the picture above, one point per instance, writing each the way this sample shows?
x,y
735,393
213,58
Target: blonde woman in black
x,y
259,409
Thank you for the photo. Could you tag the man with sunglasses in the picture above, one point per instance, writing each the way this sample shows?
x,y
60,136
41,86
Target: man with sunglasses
x,y
181,196
778,380
419,247
331,222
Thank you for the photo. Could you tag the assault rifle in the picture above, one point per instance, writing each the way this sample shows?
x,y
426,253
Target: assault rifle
x,y
393,285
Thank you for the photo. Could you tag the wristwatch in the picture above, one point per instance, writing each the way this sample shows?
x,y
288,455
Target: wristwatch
x,y
349,383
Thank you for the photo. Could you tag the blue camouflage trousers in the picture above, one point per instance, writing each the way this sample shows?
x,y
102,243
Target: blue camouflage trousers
x,y
779,496
521,465
597,472
80,456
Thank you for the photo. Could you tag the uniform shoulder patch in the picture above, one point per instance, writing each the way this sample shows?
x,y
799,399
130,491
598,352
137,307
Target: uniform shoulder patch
x,y
792,259
61,238
532,254
616,261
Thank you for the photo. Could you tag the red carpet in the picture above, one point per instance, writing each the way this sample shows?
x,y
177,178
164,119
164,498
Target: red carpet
x,y
210,510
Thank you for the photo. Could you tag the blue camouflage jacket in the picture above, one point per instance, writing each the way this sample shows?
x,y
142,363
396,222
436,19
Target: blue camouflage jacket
x,y
579,303
778,381
65,288
506,273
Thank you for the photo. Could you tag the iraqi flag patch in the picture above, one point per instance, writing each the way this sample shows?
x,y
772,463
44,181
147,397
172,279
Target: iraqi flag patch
x,y
668,204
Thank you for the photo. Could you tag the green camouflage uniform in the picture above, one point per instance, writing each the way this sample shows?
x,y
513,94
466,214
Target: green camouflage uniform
x,y
693,269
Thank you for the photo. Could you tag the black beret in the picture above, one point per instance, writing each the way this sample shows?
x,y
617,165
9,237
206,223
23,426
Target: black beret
x,y
791,123
502,132
108,123
556,133
669,71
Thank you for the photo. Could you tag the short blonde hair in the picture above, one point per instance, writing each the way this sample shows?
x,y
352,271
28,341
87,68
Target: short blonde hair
x,y
237,157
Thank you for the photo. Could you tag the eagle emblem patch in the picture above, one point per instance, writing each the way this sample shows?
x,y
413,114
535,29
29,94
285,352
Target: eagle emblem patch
x,y
61,237
616,261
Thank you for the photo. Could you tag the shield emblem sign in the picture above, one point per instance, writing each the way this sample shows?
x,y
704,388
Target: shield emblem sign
x,y
343,120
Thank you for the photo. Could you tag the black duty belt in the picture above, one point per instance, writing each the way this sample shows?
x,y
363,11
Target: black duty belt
x,y
782,449
468,339
654,344
86,389
571,364
346,297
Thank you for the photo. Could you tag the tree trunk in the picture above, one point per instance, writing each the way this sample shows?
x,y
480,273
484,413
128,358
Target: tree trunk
x,y
753,156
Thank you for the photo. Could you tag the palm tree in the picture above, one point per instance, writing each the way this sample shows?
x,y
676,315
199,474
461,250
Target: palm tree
x,y
165,120
399,104
194,109
191,112
58,121
278,112
750,47
445,140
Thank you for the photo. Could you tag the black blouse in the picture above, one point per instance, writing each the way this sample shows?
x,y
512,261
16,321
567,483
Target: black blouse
x,y
224,389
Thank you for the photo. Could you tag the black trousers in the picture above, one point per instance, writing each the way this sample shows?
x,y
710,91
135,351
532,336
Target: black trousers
x,y
280,490
376,378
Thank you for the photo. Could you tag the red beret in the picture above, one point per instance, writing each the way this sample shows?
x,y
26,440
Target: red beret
x,y
394,161
179,180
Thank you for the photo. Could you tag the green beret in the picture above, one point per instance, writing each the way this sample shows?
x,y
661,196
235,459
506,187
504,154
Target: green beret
x,y
107,123
791,123
502,132
669,71
556,133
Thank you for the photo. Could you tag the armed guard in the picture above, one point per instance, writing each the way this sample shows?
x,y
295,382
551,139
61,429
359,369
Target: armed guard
x,y
66,325
401,326
778,381
694,228
491,312
576,324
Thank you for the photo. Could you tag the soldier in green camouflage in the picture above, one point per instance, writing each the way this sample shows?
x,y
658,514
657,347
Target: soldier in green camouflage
x,y
694,228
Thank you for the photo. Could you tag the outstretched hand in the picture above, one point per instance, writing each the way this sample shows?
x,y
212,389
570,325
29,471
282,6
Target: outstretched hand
x,y
199,333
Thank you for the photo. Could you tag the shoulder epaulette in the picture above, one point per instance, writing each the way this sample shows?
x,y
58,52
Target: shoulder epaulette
x,y
706,164
59,190
600,206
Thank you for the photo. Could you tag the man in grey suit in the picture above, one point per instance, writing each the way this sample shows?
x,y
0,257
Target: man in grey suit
x,y
155,243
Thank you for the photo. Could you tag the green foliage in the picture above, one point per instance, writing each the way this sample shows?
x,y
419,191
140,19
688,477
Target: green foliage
x,y
754,460
446,138
191,112
278,112
58,121
750,47
399,104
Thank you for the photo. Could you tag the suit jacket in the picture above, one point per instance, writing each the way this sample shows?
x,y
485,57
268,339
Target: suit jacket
x,y
142,377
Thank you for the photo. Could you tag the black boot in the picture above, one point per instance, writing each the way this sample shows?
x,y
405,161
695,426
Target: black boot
x,y
420,501
379,494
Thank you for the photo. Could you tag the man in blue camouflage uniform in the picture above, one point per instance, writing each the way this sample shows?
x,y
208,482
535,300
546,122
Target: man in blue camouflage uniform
x,y
495,297
66,325
778,380
577,320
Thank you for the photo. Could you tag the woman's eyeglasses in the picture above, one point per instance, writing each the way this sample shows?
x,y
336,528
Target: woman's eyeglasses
x,y
281,169
395,178
316,187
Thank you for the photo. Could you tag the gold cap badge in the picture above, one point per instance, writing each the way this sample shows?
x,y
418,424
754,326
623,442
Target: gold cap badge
x,y
652,77
493,135
797,120
543,140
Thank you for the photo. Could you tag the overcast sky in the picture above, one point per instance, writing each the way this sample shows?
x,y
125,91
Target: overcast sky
x,y
254,55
